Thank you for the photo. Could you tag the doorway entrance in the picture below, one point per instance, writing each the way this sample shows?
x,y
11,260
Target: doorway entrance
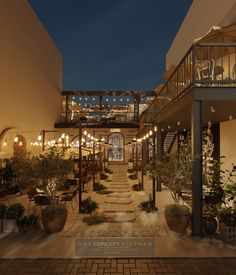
x,y
116,151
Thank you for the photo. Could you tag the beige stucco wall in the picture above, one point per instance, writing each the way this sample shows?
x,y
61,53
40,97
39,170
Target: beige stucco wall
x,y
30,71
228,142
202,15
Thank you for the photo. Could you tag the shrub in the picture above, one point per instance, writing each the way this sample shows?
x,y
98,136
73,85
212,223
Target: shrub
x,y
91,220
51,212
132,177
104,176
15,211
26,222
137,187
3,209
146,205
104,192
176,210
108,171
98,186
88,206
228,216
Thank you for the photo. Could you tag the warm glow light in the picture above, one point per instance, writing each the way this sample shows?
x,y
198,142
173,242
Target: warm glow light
x,y
103,139
16,139
67,137
150,133
63,135
178,123
39,137
230,117
213,109
4,143
162,130
147,135
155,128
59,139
83,139
85,132
89,135
20,143
169,127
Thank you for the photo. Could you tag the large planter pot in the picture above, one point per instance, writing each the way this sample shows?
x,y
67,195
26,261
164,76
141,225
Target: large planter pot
x,y
177,222
9,226
209,225
56,225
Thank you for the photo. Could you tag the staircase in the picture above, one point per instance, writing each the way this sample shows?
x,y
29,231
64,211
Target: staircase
x,y
168,142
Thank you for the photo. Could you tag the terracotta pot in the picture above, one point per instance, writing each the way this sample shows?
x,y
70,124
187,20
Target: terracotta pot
x,y
209,225
55,225
177,224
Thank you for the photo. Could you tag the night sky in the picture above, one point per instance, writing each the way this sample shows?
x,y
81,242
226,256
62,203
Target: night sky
x,y
112,44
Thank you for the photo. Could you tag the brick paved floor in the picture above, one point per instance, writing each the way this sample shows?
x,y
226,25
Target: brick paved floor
x,y
171,266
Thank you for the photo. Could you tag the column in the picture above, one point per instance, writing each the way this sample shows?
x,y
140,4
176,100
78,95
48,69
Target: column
x,y
196,129
159,151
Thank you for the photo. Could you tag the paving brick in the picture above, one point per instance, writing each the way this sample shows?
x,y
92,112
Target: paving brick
x,y
94,267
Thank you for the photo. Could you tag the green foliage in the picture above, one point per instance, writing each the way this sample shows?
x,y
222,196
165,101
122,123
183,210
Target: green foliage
x,y
99,186
174,171
137,187
3,209
228,216
88,205
14,212
177,210
146,205
96,219
51,212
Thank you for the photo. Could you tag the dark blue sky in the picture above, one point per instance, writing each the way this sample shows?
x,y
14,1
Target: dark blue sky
x,y
112,44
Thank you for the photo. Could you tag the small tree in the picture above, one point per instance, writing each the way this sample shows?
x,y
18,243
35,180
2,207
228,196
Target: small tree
x,y
52,170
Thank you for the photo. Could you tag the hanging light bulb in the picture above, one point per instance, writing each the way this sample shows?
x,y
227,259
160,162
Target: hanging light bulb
x,y
16,139
59,139
83,139
89,135
150,133
85,132
20,143
39,137
178,123
155,128
4,143
63,135
67,137
169,127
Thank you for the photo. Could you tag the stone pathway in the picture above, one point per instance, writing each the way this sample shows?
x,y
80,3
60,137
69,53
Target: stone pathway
x,y
119,206
171,266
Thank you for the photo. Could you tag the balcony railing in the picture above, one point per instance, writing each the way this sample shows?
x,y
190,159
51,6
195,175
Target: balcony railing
x,y
99,117
204,65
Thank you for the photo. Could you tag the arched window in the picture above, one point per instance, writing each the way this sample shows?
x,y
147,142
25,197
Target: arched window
x,y
116,151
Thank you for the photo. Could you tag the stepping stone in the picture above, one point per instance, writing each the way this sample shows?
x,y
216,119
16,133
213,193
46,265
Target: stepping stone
x,y
119,208
121,217
118,200
119,195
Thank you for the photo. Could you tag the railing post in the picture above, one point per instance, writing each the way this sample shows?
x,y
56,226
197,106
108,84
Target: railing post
x,y
194,63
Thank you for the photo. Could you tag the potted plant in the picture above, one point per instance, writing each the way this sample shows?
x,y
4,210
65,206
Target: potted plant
x,y
12,214
2,214
175,172
52,169
227,224
27,223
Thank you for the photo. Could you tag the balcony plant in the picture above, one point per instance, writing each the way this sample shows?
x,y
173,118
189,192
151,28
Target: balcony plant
x,y
12,214
51,171
88,206
215,196
175,172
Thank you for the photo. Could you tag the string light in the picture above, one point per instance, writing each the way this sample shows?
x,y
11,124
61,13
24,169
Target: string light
x,y
4,143
230,117
155,128
85,132
150,133
39,137
63,135
16,139
178,123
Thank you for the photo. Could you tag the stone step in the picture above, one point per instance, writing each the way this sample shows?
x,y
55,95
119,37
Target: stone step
x,y
119,195
119,189
118,208
118,200
121,217
116,180
124,185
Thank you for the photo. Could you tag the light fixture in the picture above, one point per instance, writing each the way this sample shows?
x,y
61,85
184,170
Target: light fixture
x,y
83,139
93,99
85,132
155,128
20,143
39,137
67,137
169,127
63,135
89,135
162,130
150,133
16,139
178,123
103,139
213,109
230,117
106,99
184,130
4,143
147,135
59,139
114,99
85,99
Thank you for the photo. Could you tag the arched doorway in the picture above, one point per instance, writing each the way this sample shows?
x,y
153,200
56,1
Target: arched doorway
x,y
116,150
